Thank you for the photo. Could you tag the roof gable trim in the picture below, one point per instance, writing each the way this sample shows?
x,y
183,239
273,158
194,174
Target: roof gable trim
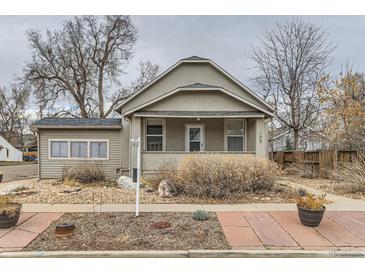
x,y
195,61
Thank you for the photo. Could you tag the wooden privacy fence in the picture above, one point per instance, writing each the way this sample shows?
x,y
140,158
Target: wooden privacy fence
x,y
318,161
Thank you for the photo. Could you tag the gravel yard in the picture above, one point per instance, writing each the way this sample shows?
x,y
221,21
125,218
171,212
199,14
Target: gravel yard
x,y
122,231
55,192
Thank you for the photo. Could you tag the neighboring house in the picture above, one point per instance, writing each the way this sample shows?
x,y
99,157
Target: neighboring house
x,y
309,139
8,152
193,107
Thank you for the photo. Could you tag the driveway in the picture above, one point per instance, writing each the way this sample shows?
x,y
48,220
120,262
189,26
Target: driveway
x,y
17,172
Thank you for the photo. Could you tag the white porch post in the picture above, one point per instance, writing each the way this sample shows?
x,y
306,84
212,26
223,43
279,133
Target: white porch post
x,y
261,138
136,132
138,144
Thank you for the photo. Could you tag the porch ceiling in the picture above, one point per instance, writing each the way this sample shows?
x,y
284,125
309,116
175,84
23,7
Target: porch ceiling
x,y
201,114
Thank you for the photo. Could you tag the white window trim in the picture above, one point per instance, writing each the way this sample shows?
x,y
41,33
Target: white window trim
x,y
226,135
202,137
163,121
69,149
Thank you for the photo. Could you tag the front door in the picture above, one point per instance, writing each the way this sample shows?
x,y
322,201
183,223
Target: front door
x,y
195,138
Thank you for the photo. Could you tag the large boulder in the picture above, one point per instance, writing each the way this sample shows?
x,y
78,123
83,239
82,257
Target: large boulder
x,y
126,182
12,189
166,189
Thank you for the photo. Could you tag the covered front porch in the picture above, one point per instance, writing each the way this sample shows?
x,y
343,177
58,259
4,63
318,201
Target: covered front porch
x,y
174,135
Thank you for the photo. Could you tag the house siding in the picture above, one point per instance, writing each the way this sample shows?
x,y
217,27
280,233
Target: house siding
x,y
187,74
206,100
53,168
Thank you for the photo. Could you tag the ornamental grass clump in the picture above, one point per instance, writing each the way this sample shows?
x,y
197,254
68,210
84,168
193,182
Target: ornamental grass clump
x,y
85,174
350,176
221,176
200,215
8,207
311,201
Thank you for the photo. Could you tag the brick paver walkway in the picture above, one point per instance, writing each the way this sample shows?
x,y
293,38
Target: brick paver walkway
x,y
29,226
283,230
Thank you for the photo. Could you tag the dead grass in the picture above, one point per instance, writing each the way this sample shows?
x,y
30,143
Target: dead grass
x,y
122,231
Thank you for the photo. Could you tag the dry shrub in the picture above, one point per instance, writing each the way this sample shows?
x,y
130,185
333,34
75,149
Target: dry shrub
x,y
350,175
84,174
221,176
302,170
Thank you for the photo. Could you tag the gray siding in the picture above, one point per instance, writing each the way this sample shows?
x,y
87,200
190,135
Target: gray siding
x,y
187,74
199,101
53,168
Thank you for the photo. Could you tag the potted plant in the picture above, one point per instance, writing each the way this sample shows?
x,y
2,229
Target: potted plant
x,y
9,212
311,209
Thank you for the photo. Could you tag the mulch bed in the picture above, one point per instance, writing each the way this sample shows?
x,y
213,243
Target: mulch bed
x,y
53,192
123,231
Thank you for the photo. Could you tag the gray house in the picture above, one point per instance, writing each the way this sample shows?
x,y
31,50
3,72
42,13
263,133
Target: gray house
x,y
195,106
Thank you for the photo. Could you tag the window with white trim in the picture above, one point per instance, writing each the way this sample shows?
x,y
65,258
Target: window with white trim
x,y
235,134
59,149
98,150
79,149
154,135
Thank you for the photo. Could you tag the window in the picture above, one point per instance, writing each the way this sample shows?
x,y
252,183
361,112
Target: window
x,y
59,149
235,134
78,149
154,135
98,150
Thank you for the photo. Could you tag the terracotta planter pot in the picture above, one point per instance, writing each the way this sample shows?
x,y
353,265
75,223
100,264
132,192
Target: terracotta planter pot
x,y
8,221
310,217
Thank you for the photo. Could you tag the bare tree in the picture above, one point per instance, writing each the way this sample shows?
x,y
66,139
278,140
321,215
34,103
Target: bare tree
x,y
13,117
82,63
292,58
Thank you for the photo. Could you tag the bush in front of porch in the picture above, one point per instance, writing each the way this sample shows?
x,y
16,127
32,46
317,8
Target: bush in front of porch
x,y
221,176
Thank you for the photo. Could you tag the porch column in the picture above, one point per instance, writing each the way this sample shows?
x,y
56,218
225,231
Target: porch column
x,y
136,131
261,138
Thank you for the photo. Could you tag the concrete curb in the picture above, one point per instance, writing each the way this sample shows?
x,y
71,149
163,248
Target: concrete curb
x,y
186,254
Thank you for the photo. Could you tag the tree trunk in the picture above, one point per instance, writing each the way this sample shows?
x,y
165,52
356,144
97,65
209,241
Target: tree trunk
x,y
296,139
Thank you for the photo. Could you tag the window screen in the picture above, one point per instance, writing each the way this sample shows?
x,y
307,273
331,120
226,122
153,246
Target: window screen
x,y
59,149
78,149
154,135
98,149
235,143
235,135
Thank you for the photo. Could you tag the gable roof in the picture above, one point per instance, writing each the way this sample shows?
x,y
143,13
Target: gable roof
x,y
197,59
77,123
199,86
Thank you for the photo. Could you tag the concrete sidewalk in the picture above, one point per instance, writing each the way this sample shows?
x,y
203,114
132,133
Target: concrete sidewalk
x,y
337,206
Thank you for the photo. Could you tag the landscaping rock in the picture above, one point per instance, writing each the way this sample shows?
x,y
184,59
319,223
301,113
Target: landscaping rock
x,y
126,182
11,189
166,189
71,191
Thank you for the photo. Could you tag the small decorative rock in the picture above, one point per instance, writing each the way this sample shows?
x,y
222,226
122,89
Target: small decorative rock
x,y
166,189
